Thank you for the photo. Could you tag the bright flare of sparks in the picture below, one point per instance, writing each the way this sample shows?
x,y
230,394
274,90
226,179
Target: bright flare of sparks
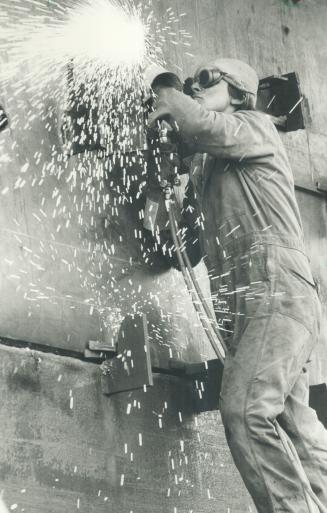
x,y
97,32
82,62
101,31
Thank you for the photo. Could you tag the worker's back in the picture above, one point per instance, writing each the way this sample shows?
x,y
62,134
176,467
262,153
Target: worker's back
x,y
249,198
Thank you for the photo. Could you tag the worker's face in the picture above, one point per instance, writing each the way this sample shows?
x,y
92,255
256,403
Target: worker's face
x,y
215,98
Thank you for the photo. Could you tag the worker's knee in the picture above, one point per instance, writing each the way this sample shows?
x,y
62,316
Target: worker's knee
x,y
247,420
232,415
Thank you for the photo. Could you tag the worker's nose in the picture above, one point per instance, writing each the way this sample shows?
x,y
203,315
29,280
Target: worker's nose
x,y
196,88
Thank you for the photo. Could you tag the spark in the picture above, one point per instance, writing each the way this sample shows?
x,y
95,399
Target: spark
x,y
70,56
233,230
297,103
237,129
270,102
93,34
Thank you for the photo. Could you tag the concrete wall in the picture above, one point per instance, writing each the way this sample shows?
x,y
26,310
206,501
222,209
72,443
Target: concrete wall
x,y
66,447
61,286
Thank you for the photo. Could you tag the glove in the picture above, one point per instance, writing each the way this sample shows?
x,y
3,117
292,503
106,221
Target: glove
x,y
162,108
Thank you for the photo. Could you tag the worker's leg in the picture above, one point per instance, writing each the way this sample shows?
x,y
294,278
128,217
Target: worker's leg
x,y
257,379
307,434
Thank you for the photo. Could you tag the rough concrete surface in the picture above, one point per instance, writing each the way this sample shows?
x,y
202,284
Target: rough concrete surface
x,y
67,447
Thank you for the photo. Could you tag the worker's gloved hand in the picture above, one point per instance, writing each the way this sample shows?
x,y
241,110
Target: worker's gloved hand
x,y
161,108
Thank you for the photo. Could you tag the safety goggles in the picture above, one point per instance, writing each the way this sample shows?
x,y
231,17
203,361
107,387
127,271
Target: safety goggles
x,y
206,78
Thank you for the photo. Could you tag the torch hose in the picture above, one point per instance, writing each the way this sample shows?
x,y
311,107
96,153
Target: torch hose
x,y
192,287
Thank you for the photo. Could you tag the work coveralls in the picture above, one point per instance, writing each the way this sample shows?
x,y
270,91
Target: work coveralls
x,y
263,294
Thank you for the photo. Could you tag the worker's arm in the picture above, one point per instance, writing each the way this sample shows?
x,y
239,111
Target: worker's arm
x,y
241,135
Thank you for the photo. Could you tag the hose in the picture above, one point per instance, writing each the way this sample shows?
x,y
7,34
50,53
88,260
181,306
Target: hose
x,y
190,284
197,287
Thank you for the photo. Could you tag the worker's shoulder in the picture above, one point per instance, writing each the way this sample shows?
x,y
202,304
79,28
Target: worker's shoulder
x,y
259,125
254,117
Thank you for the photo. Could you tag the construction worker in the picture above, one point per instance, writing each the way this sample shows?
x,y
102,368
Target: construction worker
x,y
263,292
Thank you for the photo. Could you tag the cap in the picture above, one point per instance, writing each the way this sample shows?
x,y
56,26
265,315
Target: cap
x,y
246,78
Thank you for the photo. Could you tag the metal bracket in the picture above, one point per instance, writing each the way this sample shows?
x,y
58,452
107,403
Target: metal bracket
x,y
97,350
319,188
130,369
280,97
322,185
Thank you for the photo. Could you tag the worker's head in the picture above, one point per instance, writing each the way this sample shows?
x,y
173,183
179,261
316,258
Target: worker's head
x,y
225,85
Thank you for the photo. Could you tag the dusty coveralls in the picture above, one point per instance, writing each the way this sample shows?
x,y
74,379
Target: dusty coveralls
x,y
263,293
